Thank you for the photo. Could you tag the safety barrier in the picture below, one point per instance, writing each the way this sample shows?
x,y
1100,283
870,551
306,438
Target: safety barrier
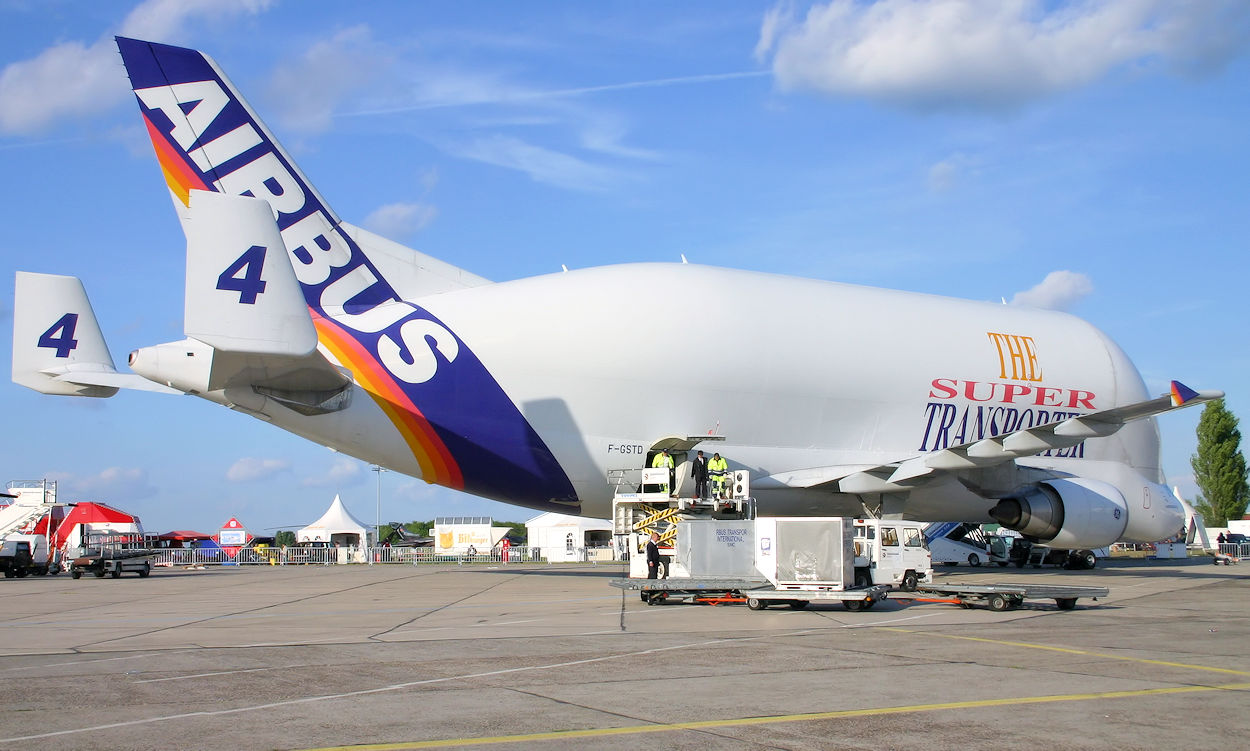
x,y
1236,549
326,556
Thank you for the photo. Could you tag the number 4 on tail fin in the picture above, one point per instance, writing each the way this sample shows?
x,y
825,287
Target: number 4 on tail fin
x,y
57,344
242,294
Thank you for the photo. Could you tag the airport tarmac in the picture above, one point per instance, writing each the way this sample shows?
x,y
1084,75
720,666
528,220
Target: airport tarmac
x,y
551,657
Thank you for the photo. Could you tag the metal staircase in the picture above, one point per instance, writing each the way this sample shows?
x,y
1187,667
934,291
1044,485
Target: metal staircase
x,y
28,502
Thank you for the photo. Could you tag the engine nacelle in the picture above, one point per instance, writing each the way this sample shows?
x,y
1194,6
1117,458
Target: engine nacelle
x,y
1075,513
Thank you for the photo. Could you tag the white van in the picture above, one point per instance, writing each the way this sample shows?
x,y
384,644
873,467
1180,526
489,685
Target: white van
x,y
891,552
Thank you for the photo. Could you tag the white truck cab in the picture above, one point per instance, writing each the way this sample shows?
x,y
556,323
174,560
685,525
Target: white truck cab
x,y
891,552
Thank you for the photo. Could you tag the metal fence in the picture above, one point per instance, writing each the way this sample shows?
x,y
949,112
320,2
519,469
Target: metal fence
x,y
1235,549
327,556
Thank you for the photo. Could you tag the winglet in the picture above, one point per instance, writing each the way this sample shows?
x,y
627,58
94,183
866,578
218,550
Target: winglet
x,y
1181,394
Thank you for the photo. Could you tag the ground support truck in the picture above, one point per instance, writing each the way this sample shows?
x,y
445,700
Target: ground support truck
x,y
790,561
21,555
798,561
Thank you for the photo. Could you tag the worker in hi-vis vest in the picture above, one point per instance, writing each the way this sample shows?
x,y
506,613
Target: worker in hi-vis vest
x,y
718,470
662,459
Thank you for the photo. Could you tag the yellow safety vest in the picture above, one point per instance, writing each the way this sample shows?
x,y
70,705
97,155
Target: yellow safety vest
x,y
662,460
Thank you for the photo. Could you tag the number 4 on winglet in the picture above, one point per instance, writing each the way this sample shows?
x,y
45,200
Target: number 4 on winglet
x,y
231,240
249,285
65,342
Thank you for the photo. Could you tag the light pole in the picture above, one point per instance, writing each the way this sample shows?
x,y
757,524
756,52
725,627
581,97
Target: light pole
x,y
377,519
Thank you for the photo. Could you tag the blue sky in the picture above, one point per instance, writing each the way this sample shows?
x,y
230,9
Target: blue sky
x,y
1090,157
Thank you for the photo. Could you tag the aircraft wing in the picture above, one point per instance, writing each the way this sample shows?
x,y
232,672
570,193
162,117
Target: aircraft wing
x,y
906,474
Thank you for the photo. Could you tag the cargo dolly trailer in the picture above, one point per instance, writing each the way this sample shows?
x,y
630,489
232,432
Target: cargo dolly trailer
x,y
1000,597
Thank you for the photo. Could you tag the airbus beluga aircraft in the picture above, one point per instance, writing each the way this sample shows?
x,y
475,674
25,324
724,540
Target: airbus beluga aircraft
x,y
839,399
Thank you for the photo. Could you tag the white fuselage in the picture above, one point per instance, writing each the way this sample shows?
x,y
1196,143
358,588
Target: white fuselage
x,y
794,373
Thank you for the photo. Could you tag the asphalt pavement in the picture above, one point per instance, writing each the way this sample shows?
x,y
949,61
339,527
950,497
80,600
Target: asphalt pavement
x,y
551,657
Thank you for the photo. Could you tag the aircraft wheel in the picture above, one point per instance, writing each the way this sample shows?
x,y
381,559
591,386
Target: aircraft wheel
x,y
974,560
910,580
756,604
798,604
997,603
1088,559
1065,603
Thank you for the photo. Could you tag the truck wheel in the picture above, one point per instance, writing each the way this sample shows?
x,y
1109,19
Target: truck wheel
x,y
1065,603
756,604
75,573
974,560
910,580
9,574
117,573
99,573
862,579
21,573
147,569
997,603
853,605
798,604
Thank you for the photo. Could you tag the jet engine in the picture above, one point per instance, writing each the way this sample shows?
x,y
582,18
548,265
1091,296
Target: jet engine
x,y
1074,513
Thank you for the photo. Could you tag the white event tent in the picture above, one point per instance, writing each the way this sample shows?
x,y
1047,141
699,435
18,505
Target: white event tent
x,y
563,538
336,526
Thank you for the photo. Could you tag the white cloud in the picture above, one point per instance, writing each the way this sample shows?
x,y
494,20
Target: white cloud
x,y
67,80
989,54
249,469
541,164
1060,290
165,20
947,174
344,471
307,91
73,79
113,485
399,221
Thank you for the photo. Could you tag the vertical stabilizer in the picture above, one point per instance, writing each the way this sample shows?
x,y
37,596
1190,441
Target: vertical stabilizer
x,y
56,336
242,294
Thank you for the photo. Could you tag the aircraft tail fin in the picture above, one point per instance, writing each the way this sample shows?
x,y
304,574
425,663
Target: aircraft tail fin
x,y
241,293
206,136
56,337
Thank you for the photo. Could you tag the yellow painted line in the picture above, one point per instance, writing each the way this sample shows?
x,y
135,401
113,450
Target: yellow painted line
x,y
774,719
1070,650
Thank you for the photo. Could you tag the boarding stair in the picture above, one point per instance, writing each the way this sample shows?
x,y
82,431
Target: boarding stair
x,y
29,501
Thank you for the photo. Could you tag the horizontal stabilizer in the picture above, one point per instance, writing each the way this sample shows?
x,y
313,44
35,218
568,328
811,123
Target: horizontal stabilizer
x,y
242,294
58,347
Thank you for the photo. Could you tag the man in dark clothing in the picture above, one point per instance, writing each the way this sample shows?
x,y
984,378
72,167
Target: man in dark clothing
x,y
698,470
653,556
